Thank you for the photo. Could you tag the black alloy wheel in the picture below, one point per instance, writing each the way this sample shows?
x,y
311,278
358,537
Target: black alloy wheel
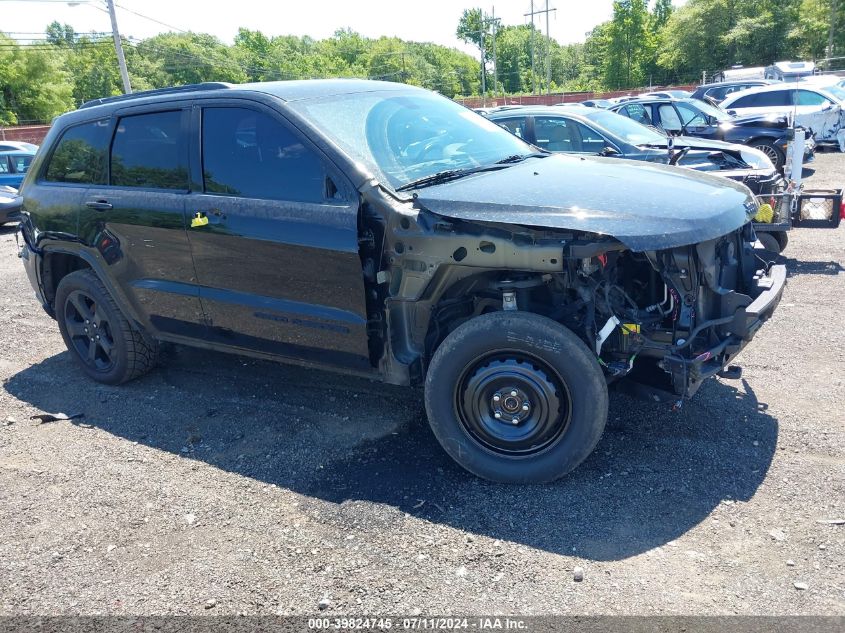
x,y
107,346
89,331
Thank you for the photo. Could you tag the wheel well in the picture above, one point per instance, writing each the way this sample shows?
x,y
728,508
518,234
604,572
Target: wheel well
x,y
482,293
761,139
55,268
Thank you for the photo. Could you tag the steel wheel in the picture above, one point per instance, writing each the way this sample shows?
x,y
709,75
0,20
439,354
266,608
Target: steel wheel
x,y
512,403
89,330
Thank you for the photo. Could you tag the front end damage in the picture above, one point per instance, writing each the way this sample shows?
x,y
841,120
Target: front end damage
x,y
667,320
659,321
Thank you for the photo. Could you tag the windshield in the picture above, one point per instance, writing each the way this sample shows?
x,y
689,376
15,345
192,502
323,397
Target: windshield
x,y
709,110
836,91
405,136
627,129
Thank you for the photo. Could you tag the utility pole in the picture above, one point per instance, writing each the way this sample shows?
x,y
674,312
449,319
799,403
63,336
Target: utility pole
x,y
533,76
548,53
547,10
483,68
495,63
121,60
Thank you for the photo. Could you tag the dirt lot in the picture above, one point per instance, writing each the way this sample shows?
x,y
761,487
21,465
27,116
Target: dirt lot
x,y
265,489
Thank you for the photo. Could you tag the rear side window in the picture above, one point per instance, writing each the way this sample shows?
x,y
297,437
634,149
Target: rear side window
x,y
4,165
250,154
515,125
772,99
80,155
150,151
809,98
636,112
21,163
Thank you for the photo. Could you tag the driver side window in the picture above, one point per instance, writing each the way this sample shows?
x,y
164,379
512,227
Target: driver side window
x,y
556,135
669,119
691,117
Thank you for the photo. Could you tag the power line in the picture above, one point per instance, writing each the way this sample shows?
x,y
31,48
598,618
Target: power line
x,y
146,17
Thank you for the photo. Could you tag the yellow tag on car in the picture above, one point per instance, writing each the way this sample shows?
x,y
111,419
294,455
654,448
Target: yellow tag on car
x,y
198,220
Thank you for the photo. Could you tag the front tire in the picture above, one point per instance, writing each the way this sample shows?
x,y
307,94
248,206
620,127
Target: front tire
x,y
97,334
515,397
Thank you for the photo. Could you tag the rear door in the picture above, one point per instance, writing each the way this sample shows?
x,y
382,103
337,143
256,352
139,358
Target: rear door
x,y
137,220
274,239
76,162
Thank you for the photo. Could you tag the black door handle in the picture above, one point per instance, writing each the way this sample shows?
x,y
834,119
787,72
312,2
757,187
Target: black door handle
x,y
98,205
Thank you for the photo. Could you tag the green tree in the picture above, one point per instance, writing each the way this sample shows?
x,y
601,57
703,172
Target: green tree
x,y
628,44
34,86
60,34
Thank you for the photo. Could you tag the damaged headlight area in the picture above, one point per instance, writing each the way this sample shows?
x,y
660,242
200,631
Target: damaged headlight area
x,y
667,320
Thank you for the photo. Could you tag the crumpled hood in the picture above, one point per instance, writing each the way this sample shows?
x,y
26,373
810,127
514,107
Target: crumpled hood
x,y
645,206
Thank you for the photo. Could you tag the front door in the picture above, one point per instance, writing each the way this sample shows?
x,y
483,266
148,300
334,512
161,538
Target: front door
x,y
274,237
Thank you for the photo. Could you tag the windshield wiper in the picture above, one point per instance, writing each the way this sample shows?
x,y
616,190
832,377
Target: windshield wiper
x,y
518,158
446,176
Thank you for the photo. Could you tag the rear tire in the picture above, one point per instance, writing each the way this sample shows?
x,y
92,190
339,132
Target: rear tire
x,y
774,153
541,379
770,243
97,334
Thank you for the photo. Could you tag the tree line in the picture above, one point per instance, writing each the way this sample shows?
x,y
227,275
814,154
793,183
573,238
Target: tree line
x,y
653,43
40,79
647,42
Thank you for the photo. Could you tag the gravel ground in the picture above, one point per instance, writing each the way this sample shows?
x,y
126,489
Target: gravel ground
x,y
224,485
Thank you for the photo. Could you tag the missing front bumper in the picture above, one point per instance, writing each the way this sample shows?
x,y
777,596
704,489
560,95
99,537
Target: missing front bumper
x,y
688,373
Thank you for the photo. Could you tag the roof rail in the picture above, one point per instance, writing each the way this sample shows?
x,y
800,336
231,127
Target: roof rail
x,y
208,85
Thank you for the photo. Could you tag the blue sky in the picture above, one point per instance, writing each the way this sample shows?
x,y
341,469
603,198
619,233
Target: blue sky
x,y
429,20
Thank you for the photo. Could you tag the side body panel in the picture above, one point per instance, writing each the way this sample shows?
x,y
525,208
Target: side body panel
x,y
279,276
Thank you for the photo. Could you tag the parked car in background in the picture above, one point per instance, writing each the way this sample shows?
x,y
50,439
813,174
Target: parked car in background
x,y
789,71
13,166
715,93
597,103
599,132
17,146
667,94
384,230
818,108
10,205
691,117
737,73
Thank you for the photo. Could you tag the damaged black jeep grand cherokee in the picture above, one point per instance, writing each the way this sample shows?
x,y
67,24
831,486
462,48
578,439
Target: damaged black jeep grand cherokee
x,y
381,229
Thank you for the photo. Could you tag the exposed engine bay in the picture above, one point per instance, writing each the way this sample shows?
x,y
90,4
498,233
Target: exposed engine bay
x,y
663,319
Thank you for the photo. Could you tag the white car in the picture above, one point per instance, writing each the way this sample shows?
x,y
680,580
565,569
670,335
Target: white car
x,y
17,146
816,107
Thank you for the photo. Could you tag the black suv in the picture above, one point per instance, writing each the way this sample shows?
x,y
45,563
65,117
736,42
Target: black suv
x,y
382,229
717,92
692,117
